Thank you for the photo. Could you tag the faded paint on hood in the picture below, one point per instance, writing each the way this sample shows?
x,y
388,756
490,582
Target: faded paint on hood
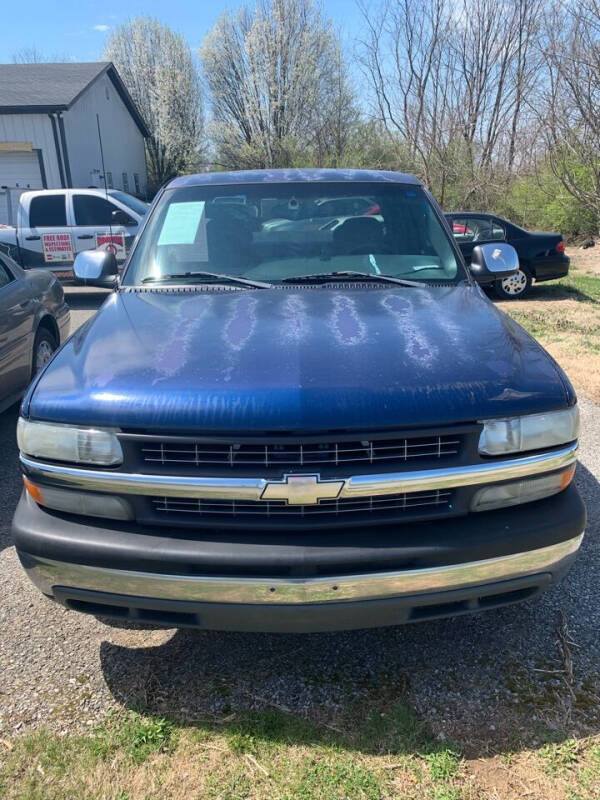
x,y
297,359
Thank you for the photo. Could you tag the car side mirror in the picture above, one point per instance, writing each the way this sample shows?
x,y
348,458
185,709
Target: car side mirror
x,y
493,261
96,268
120,217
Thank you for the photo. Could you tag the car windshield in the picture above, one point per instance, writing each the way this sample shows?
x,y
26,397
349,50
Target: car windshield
x,y
275,232
133,203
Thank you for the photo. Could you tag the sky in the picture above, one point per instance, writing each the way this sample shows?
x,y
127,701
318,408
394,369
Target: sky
x,y
75,30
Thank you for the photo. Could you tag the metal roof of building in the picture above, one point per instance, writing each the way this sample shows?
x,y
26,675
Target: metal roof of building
x,y
48,87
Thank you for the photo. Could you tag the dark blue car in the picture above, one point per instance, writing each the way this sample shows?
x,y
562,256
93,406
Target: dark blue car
x,y
291,419
541,255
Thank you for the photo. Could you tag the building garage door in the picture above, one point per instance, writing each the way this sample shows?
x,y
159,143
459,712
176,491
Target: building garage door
x,y
18,173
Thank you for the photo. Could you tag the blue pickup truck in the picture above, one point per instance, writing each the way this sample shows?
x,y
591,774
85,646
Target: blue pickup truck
x,y
298,411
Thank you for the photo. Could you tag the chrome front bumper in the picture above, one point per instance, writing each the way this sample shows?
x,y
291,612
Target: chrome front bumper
x,y
47,574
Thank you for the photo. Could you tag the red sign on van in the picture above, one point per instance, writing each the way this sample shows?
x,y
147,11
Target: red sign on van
x,y
112,243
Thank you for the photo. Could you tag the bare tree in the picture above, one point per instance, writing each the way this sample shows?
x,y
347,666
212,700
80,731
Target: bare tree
x,y
527,74
333,135
162,76
573,127
452,78
32,55
278,84
402,54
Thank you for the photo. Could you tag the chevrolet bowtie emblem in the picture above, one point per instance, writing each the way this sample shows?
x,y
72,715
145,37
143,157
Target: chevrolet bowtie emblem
x,y
302,490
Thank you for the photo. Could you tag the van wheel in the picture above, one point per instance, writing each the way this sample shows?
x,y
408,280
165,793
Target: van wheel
x,y
44,346
516,286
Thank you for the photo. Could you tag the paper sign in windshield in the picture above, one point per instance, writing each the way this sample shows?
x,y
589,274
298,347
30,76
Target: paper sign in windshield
x,y
185,223
57,247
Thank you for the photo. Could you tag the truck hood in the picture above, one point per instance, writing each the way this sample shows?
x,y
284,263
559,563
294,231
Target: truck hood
x,y
296,359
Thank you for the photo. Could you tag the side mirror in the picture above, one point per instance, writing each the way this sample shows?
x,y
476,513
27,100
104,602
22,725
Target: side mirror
x,y
96,268
122,218
493,261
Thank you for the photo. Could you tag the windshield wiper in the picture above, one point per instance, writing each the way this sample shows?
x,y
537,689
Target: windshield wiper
x,y
342,275
215,276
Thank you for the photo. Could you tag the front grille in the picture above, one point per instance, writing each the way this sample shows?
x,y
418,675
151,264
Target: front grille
x,y
415,502
290,455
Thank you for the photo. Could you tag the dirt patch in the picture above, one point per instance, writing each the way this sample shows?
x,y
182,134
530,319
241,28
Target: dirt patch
x,y
565,771
515,779
565,318
582,368
585,261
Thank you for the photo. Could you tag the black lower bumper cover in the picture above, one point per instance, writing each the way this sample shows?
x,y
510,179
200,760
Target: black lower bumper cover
x,y
429,544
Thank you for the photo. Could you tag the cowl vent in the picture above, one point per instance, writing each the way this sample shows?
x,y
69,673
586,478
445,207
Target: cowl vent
x,y
194,289
335,285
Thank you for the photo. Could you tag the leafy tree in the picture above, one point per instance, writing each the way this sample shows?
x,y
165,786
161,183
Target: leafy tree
x,y
278,86
159,70
540,200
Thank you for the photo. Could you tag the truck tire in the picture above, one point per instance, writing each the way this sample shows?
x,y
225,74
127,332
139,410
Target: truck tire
x,y
515,287
44,346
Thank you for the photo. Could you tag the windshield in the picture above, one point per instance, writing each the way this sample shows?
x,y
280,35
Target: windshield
x,y
133,203
278,231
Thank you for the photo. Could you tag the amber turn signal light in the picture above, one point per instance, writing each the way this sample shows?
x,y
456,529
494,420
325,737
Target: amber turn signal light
x,y
567,477
32,490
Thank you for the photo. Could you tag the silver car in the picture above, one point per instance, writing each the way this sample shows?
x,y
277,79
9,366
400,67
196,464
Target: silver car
x,y
34,321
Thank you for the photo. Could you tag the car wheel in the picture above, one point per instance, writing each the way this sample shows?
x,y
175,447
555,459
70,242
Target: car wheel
x,y
514,287
43,349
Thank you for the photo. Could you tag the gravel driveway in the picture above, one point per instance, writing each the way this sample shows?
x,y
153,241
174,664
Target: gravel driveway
x,y
478,679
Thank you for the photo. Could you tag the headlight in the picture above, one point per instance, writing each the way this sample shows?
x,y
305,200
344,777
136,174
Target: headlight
x,y
66,443
532,432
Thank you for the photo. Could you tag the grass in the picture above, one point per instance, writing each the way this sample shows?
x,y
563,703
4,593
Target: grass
x,y
263,755
334,778
272,755
368,754
565,317
443,765
134,735
585,288
560,756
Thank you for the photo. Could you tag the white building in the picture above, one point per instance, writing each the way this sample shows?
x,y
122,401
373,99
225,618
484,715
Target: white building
x,y
49,115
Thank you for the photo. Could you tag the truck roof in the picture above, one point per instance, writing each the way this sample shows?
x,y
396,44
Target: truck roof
x,y
294,176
